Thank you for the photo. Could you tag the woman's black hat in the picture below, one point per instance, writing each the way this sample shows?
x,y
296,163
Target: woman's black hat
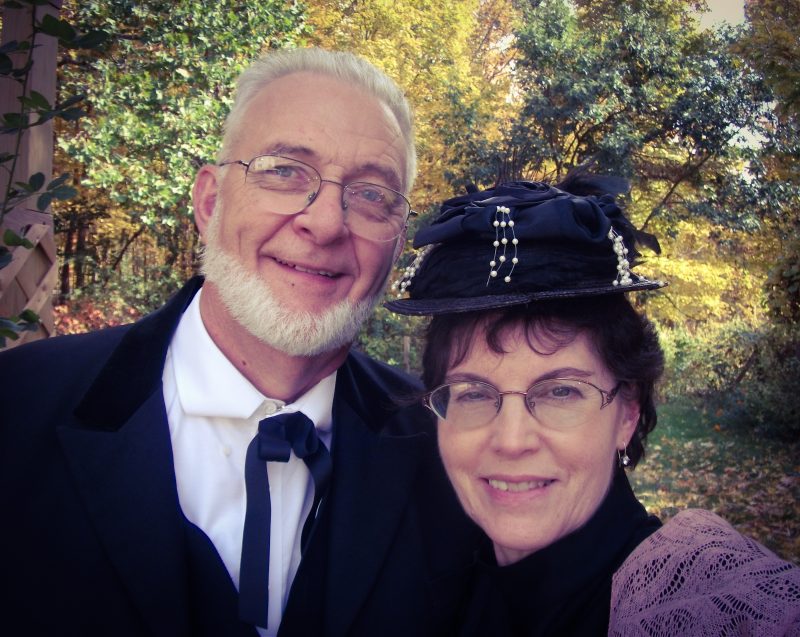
x,y
521,242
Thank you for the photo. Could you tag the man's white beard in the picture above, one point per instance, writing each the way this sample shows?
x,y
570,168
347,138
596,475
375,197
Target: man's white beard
x,y
252,303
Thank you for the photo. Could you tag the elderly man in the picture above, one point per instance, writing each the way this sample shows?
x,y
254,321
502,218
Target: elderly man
x,y
227,465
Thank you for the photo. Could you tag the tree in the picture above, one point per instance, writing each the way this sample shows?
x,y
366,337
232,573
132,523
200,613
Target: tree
x,y
634,90
159,95
764,384
452,59
434,50
772,46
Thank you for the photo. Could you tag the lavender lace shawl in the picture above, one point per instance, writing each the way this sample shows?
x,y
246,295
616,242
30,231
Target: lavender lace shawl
x,y
698,576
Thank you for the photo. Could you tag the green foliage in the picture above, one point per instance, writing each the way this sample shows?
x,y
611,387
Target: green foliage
x,y
705,362
783,286
637,90
394,339
768,401
159,94
748,374
772,45
631,89
12,240
13,326
138,295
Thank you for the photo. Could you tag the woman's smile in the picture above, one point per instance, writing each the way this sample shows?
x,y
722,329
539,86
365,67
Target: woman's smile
x,y
528,485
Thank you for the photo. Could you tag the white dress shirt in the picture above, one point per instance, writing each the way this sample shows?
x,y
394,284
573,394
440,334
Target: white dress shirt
x,y
213,413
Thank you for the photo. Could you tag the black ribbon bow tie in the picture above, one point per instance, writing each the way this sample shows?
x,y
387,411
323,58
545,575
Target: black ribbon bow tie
x,y
280,435
277,437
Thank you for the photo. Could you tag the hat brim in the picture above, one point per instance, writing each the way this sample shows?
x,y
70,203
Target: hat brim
x,y
430,307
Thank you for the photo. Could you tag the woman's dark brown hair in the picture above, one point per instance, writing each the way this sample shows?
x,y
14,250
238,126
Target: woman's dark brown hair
x,y
625,341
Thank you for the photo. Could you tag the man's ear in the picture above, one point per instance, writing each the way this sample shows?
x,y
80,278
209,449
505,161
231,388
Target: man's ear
x,y
204,196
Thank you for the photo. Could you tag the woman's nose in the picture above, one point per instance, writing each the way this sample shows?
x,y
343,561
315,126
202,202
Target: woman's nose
x,y
515,430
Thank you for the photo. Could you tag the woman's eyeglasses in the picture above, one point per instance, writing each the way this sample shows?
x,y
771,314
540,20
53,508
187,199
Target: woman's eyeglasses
x,y
559,403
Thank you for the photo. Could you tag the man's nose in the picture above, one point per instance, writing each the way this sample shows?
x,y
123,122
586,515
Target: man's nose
x,y
325,217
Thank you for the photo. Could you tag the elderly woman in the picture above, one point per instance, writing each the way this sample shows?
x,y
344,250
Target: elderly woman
x,y
541,375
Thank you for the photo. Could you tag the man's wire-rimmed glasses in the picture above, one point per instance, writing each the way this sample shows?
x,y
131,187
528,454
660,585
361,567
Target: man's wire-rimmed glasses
x,y
558,403
289,185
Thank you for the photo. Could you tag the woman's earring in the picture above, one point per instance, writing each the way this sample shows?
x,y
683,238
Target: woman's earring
x,y
623,458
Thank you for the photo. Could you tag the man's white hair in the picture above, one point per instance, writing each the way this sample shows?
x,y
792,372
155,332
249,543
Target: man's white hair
x,y
340,65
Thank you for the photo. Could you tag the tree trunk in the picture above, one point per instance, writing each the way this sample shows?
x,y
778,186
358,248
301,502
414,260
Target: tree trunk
x,y
65,286
80,257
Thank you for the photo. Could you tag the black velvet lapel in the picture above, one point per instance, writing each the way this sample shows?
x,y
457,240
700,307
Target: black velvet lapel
x,y
127,482
134,370
375,476
372,483
120,456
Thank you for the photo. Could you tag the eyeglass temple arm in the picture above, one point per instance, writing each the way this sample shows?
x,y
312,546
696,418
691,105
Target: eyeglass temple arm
x,y
608,396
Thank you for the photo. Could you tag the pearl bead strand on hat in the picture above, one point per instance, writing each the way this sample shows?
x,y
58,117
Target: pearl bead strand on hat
x,y
623,265
500,224
408,273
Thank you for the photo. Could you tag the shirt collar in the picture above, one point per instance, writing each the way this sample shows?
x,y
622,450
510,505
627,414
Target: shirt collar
x,y
209,385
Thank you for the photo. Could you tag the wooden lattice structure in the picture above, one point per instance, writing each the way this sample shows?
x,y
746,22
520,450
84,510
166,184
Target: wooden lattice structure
x,y
28,282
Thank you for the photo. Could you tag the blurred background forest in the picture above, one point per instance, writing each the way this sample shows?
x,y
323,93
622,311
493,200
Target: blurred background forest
x,y
702,120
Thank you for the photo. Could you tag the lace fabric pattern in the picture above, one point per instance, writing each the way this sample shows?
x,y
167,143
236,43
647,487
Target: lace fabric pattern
x,y
698,576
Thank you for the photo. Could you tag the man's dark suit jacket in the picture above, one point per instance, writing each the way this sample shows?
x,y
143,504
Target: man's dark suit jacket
x,y
94,542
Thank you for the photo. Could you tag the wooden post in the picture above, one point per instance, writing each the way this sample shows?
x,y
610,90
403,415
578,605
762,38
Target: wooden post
x,y
28,282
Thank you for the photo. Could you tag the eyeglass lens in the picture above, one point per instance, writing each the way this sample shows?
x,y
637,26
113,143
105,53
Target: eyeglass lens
x,y
288,185
554,403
